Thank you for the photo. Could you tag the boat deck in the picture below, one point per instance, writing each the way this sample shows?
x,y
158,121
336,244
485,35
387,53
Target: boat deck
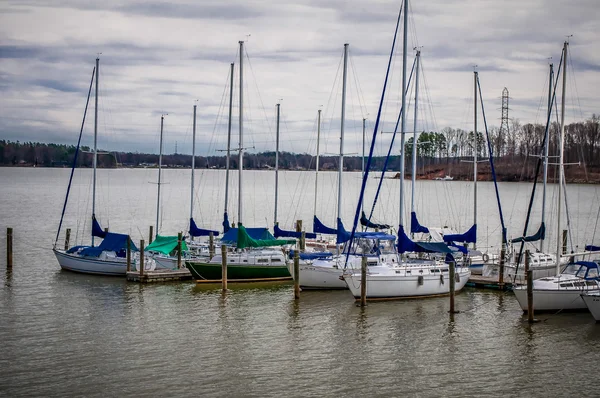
x,y
159,276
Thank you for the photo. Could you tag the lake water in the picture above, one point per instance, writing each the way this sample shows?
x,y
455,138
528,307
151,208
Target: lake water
x,y
65,334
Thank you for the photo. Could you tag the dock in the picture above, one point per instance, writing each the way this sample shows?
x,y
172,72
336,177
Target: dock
x,y
488,282
159,276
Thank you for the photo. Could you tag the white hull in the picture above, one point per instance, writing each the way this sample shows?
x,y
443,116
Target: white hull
x,y
76,263
319,276
550,300
592,301
396,282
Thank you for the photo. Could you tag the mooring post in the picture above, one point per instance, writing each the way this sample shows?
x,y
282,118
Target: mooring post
x,y
564,241
224,267
529,275
106,230
211,245
141,258
363,281
67,239
179,239
502,260
296,274
128,253
303,241
150,234
9,248
452,285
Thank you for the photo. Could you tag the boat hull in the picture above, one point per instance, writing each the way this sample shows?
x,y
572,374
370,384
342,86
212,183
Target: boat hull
x,y
592,302
550,300
213,271
85,265
320,277
396,286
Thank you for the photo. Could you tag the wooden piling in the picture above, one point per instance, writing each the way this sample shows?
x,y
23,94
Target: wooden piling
x,y
224,267
150,234
303,241
106,230
564,241
179,239
9,248
363,281
141,258
529,274
211,245
296,274
67,238
452,276
502,260
128,253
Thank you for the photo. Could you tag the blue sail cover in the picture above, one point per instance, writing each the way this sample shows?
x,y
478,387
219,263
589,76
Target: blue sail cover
x,y
461,249
311,256
226,225
405,244
468,237
415,227
231,236
365,222
540,234
278,232
320,228
112,242
343,236
592,248
195,231
96,228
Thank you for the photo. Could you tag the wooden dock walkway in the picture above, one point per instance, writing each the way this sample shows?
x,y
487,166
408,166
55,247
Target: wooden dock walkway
x,y
488,282
159,276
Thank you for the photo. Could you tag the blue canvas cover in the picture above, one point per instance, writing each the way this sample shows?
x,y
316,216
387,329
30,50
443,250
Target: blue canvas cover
x,y
468,237
226,225
540,234
343,236
320,228
405,244
592,248
231,236
96,228
112,242
365,222
278,232
415,227
195,231
311,256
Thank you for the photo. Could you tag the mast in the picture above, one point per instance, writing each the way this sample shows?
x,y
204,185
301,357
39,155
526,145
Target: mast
x,y
403,124
317,163
228,140
341,168
475,148
363,153
546,145
162,118
561,158
414,146
241,123
193,165
276,167
95,158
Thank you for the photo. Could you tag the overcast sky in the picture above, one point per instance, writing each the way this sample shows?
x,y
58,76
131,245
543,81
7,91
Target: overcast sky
x,y
159,58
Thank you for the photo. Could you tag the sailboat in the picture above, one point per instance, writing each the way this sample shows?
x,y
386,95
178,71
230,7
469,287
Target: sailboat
x,y
564,290
403,277
252,257
592,302
109,257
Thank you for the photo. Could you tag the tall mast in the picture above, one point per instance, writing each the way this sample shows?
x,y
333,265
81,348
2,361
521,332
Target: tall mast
x,y
193,165
561,158
228,139
241,123
317,162
341,168
475,148
546,145
403,124
363,153
276,167
95,158
162,118
414,146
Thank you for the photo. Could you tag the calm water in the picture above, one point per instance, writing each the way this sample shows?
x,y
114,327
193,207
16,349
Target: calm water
x,y
65,334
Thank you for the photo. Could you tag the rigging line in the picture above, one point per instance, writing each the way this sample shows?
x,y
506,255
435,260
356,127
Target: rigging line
x,y
75,156
258,92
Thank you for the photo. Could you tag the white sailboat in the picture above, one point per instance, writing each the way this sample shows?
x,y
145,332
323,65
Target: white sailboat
x,y
562,291
109,257
592,302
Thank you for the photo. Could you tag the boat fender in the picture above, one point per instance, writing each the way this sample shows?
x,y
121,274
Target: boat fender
x,y
442,279
420,280
486,257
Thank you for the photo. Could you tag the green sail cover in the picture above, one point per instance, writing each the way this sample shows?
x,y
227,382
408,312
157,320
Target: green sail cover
x,y
245,240
165,245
